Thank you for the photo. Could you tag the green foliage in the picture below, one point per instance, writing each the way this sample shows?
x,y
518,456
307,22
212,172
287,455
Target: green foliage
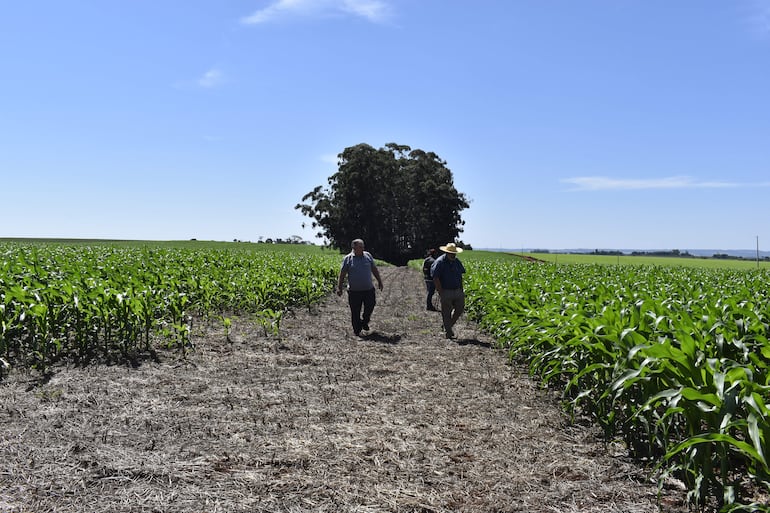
x,y
673,361
400,201
109,300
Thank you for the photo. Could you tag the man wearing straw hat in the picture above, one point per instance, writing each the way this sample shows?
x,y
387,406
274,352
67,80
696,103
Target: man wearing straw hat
x,y
447,273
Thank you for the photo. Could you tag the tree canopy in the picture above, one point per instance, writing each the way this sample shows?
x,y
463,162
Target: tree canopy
x,y
398,200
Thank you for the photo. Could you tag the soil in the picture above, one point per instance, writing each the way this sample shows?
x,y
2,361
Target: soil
x,y
313,418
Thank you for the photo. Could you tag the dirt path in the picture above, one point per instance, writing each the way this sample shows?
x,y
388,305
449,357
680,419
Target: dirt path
x,y
401,420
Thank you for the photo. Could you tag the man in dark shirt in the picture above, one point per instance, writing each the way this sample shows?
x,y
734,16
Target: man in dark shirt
x,y
447,273
429,285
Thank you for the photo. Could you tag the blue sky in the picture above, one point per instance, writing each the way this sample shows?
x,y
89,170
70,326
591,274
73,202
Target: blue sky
x,y
568,123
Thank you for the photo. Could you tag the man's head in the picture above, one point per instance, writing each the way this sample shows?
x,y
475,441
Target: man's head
x,y
451,250
358,246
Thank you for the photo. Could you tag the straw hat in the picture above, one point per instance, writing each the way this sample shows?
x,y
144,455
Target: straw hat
x,y
450,248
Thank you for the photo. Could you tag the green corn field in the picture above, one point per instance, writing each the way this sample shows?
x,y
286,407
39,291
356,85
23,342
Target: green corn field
x,y
672,361
111,301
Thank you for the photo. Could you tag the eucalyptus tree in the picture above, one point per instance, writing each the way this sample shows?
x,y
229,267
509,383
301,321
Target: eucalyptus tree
x,y
399,200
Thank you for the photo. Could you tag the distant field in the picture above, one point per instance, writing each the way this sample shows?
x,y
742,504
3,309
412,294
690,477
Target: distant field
x,y
180,244
625,260
557,258
712,263
565,258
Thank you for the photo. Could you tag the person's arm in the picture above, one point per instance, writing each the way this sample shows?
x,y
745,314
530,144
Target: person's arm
x,y
436,271
437,284
376,273
341,278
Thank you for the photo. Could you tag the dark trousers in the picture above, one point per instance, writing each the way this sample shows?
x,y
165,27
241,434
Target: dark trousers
x,y
431,290
357,299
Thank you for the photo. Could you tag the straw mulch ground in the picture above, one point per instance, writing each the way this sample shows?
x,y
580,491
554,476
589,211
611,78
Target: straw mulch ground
x,y
400,420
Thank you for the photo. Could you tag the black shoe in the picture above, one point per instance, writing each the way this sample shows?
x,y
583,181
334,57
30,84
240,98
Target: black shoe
x,y
431,309
357,333
365,326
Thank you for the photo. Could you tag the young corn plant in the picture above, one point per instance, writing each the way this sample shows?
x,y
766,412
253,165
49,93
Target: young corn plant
x,y
227,322
270,320
673,360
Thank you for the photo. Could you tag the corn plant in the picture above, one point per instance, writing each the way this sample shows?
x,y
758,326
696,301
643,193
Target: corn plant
x,y
102,301
672,360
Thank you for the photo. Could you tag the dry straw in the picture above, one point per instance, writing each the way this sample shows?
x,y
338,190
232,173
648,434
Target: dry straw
x,y
313,419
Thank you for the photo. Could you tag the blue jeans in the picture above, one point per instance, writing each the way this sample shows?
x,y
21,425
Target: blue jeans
x,y
431,290
357,299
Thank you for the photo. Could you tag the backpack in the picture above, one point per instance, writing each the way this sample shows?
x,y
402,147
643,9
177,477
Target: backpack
x,y
426,265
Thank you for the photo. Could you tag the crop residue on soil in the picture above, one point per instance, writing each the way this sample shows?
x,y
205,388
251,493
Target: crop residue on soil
x,y
314,419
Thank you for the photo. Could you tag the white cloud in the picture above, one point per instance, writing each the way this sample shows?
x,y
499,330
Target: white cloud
x,y
330,158
372,10
274,10
212,78
602,183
